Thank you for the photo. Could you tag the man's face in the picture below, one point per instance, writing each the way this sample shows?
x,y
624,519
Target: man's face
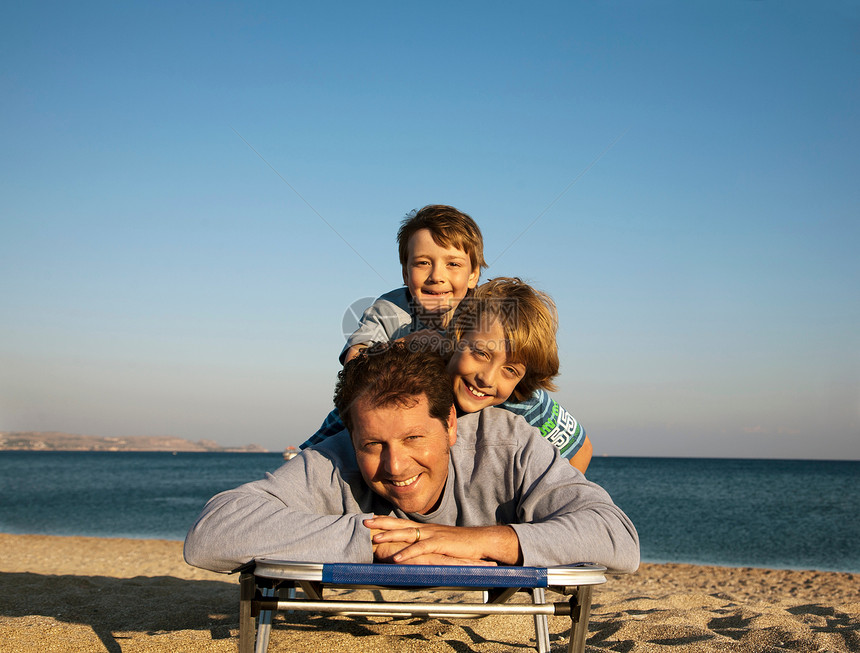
x,y
403,452
438,277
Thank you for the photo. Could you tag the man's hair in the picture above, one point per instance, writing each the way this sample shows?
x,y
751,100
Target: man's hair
x,y
448,227
529,320
389,374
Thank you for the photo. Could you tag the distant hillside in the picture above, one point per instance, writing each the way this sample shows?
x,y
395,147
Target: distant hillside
x,y
52,441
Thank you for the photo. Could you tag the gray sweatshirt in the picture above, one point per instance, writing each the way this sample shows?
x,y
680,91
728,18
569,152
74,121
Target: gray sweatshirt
x,y
500,471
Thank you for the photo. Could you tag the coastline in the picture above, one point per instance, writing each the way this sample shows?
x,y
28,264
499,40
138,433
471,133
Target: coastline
x,y
61,593
46,441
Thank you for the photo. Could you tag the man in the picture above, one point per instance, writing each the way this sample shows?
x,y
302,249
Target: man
x,y
410,483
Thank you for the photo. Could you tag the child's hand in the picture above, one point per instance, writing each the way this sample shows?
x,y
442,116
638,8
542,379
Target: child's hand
x,y
354,351
427,340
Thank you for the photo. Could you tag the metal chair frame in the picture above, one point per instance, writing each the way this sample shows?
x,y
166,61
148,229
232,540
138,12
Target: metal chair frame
x,y
261,593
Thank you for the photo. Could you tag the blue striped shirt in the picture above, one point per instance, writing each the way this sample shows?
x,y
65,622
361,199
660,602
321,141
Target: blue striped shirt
x,y
540,410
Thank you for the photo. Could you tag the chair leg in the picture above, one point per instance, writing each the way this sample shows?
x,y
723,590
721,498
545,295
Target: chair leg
x,y
580,604
541,623
264,623
247,627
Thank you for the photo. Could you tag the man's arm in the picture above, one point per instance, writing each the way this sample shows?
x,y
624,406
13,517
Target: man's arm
x,y
564,518
512,476
559,516
304,511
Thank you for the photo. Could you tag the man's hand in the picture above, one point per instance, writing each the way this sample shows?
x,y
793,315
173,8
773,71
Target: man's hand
x,y
407,542
384,551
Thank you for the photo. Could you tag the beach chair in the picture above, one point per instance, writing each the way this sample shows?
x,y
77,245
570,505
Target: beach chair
x,y
270,585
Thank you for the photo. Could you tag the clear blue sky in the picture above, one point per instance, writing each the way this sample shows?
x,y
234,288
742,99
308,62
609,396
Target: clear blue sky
x,y
193,194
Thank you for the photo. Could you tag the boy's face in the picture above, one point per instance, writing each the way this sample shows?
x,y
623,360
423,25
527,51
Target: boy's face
x,y
481,370
438,277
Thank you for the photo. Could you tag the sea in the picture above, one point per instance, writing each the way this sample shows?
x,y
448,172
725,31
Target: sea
x,y
780,514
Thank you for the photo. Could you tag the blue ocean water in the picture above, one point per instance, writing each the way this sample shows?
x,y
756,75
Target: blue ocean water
x,y
784,514
761,513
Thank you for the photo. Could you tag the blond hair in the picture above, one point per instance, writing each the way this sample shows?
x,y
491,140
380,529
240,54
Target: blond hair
x,y
529,320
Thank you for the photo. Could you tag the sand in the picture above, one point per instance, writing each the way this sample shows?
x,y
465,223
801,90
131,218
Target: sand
x,y
94,594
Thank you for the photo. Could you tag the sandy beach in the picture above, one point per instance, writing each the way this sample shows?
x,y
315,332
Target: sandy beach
x,y
94,594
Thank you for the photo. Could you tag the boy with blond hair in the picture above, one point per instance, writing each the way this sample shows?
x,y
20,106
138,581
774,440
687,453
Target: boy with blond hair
x,y
505,354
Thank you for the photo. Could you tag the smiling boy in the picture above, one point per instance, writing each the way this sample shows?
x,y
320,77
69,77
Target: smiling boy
x,y
482,369
438,277
441,253
505,354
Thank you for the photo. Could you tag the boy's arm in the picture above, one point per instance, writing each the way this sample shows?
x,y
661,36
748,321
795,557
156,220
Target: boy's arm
x,y
556,425
582,458
332,424
427,340
384,320
354,351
